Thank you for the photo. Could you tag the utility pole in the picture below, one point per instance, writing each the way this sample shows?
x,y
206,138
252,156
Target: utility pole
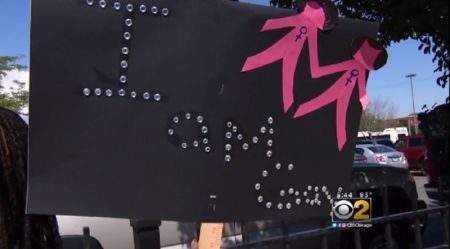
x,y
411,76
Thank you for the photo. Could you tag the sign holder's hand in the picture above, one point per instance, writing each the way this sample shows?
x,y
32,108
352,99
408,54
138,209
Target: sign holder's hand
x,y
210,236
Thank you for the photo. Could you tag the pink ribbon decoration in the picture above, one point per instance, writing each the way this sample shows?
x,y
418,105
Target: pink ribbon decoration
x,y
288,49
354,74
304,26
340,92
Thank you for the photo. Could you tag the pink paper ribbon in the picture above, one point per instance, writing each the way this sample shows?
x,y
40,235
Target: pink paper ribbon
x,y
305,27
340,92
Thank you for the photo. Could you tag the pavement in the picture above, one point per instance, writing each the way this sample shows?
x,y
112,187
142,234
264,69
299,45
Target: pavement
x,y
433,235
420,182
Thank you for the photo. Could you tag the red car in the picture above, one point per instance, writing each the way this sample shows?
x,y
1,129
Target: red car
x,y
415,151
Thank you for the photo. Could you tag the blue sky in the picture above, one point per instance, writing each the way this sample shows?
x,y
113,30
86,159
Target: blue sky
x,y
389,83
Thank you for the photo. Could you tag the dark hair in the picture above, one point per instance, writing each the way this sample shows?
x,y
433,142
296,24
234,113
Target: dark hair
x,y
18,230
381,59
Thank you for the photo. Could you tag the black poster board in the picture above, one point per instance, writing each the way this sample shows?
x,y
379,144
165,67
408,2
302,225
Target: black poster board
x,y
135,155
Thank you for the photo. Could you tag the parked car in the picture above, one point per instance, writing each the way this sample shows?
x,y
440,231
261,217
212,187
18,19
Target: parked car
x,y
382,154
415,151
374,141
359,156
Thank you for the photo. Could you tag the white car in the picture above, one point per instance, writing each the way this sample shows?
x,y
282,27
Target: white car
x,y
381,154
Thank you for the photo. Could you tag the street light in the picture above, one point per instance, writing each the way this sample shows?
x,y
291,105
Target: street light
x,y
411,76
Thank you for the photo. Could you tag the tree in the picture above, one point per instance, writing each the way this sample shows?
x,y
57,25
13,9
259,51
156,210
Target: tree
x,y
14,98
422,20
375,116
435,126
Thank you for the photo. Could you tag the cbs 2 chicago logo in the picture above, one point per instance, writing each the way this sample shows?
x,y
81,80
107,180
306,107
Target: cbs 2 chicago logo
x,y
352,210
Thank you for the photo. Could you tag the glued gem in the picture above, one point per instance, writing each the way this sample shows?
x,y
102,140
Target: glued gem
x,y
123,79
117,6
123,64
165,12
291,167
86,92
154,10
109,92
157,97
278,166
143,8
102,4
128,22
127,36
130,7
280,206
98,91
263,130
